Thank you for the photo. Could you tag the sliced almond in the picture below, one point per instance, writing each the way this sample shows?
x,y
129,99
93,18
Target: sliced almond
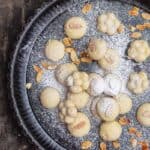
x,y
39,76
124,121
140,27
103,146
74,57
133,142
37,68
116,144
86,8
132,130
144,145
86,145
86,60
134,11
136,35
69,49
67,41
146,16
28,85
147,25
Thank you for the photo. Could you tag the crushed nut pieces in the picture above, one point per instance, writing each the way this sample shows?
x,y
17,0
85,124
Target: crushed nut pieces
x,y
74,57
144,145
28,85
116,144
146,16
39,72
86,8
142,27
103,146
132,130
124,121
86,145
48,66
133,142
121,28
136,35
134,11
67,41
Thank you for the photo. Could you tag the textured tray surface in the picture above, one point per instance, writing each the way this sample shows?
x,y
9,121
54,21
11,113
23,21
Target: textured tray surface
x,y
50,26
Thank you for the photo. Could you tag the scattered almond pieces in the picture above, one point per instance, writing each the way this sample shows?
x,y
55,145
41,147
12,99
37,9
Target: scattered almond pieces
x,y
142,27
69,49
86,145
86,8
146,16
74,57
116,144
67,41
138,134
37,68
145,145
133,142
48,66
39,76
134,11
136,35
86,60
28,86
121,28
132,130
124,121
132,28
103,146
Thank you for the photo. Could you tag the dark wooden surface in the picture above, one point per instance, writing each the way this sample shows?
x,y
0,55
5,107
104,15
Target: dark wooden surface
x,y
14,14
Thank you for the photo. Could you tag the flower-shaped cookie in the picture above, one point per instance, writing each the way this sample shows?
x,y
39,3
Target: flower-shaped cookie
x,y
139,50
108,23
78,82
67,111
138,82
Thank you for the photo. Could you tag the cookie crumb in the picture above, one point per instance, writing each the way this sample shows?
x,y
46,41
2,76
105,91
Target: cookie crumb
x,y
86,8
144,145
121,28
67,41
74,57
86,145
124,121
86,60
28,86
132,130
37,68
133,142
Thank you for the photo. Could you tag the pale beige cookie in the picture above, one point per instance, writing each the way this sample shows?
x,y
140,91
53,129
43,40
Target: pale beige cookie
x,y
79,99
143,114
78,82
54,50
108,23
97,48
81,126
49,97
75,27
67,111
138,82
139,50
110,131
64,70
125,103
107,108
110,61
97,84
113,84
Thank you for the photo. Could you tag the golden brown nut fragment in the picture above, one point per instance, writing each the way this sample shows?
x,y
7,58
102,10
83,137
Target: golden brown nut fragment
x,y
86,145
86,8
136,35
134,11
146,16
103,146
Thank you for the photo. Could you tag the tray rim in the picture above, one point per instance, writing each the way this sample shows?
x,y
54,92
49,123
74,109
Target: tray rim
x,y
11,64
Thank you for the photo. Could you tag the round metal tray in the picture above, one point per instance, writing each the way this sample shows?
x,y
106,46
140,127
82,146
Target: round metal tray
x,y
48,23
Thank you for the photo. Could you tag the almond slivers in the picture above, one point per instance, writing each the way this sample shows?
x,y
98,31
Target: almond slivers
x,y
86,8
134,11
103,146
146,16
136,35
86,145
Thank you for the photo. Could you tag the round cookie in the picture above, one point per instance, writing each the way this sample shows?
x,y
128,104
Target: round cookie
x,y
97,48
125,103
54,50
97,84
113,84
49,97
81,126
108,23
110,61
107,109
143,114
79,99
75,27
110,131
139,50
64,70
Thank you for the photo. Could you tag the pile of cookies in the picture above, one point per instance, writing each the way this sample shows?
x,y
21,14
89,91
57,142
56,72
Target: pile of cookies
x,y
105,90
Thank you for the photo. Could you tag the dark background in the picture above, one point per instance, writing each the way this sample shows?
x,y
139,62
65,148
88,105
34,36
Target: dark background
x,y
14,14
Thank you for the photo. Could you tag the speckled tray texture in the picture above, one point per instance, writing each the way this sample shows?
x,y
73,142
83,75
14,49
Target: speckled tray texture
x,y
48,119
